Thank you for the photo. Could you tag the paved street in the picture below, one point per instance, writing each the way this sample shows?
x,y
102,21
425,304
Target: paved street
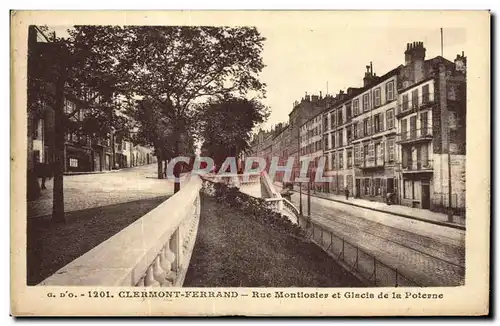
x,y
430,254
95,190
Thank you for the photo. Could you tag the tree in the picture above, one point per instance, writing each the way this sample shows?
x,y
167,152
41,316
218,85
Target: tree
x,y
80,67
176,67
227,125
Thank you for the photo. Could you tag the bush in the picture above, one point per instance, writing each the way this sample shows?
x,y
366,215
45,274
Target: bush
x,y
255,207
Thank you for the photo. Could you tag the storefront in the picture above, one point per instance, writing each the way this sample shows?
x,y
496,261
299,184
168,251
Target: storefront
x,y
77,159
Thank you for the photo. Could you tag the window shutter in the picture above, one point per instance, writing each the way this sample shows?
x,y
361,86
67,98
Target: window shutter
x,y
381,121
371,151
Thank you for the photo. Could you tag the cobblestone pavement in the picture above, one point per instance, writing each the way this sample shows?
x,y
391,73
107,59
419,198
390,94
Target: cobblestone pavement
x,y
431,255
94,190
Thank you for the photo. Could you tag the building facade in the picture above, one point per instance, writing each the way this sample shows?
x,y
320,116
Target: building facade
x,y
401,134
308,107
431,131
311,144
83,152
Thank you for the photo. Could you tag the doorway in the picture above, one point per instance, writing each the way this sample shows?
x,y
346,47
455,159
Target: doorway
x,y
426,196
358,188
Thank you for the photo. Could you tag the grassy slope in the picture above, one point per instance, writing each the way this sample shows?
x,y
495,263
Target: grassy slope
x,y
234,250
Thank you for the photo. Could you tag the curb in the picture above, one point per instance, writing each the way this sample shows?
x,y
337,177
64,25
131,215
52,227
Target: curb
x,y
446,224
90,172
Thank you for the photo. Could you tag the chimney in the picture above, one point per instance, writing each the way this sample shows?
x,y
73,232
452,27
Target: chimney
x,y
414,52
461,63
320,95
368,75
414,61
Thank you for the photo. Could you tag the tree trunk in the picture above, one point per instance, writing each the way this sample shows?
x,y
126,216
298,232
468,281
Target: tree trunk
x,y
159,162
177,170
58,197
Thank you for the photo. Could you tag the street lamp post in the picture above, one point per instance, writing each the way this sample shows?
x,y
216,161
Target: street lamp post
x,y
300,201
309,199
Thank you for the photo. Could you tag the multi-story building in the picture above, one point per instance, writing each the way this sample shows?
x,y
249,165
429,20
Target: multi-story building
x,y
430,124
281,141
337,137
308,107
373,136
361,138
311,143
84,152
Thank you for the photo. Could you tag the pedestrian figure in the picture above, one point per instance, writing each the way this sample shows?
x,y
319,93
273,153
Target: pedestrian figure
x,y
346,194
43,171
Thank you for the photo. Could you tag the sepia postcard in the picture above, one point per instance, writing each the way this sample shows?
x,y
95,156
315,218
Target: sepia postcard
x,y
250,163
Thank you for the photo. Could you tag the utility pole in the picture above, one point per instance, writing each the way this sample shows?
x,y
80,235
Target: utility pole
x,y
441,41
450,211
309,199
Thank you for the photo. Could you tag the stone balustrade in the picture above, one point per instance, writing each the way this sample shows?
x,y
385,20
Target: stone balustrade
x,y
155,250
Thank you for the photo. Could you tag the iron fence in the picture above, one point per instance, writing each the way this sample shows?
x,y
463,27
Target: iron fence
x,y
365,265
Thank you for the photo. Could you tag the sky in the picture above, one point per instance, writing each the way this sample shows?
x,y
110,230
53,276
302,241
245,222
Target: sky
x,y
305,60
328,58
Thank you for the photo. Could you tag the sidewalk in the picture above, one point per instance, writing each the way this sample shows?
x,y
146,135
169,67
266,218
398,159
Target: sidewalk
x,y
403,211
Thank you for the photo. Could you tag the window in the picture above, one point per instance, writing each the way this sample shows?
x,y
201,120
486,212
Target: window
x,y
425,94
389,90
405,102
390,146
376,97
341,138
326,162
379,152
348,132
366,102
414,98
333,144
340,119
424,123
332,117
403,129
355,130
73,162
355,106
390,118
376,123
341,159
348,111
367,127
325,141
325,123
413,127
349,158
334,162
360,130
371,152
